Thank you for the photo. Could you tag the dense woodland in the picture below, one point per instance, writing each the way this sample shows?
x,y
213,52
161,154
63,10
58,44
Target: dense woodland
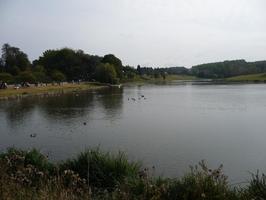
x,y
75,65
228,69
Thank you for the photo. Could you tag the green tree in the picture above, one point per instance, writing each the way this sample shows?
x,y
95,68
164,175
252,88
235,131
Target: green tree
x,y
13,58
139,70
157,74
106,73
58,76
74,64
26,76
14,70
116,62
6,77
40,73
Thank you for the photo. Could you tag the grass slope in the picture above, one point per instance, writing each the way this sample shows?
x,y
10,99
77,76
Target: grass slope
x,y
151,79
250,77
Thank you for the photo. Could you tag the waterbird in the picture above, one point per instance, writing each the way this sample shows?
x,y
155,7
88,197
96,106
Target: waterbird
x,y
33,135
133,99
84,123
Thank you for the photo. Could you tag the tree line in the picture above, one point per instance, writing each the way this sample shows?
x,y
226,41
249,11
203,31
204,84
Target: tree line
x,y
57,65
69,65
228,69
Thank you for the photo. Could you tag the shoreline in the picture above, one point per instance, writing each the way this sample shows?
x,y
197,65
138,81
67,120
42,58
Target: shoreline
x,y
11,93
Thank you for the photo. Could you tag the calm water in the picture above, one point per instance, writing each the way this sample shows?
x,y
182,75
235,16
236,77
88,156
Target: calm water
x,y
176,125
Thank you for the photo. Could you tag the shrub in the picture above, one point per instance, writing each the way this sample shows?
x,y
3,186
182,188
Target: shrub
x,y
58,76
105,170
106,74
26,76
257,186
6,77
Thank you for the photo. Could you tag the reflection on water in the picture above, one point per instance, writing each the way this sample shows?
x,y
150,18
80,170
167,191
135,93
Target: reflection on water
x,y
111,100
17,111
64,106
174,126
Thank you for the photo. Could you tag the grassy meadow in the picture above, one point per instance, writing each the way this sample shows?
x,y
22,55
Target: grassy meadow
x,y
249,78
160,79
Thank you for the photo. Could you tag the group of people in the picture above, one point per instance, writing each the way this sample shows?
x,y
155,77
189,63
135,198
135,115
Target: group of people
x,y
3,85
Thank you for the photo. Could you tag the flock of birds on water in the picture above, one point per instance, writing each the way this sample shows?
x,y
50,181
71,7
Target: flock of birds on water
x,y
33,135
139,98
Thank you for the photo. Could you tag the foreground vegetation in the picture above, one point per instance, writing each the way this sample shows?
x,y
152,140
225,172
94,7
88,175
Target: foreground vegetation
x,y
97,175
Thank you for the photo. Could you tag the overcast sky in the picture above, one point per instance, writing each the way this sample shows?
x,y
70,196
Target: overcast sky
x,y
146,32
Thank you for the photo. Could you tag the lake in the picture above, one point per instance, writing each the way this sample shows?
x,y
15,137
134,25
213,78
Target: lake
x,y
173,126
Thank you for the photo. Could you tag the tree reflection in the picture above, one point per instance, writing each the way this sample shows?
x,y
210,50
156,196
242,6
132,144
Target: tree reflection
x,y
19,110
69,105
63,106
111,100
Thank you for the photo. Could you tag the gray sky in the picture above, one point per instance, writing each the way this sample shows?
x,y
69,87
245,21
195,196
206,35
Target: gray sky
x,y
147,32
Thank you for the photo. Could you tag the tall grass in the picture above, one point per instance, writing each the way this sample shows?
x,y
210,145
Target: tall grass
x,y
94,174
102,170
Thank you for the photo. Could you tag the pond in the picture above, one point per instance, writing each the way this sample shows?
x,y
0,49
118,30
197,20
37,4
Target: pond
x,y
168,126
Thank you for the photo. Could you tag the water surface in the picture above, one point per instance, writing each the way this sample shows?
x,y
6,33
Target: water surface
x,y
174,126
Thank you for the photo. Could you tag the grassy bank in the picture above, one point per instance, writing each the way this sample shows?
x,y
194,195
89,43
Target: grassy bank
x,y
152,79
68,87
248,78
97,175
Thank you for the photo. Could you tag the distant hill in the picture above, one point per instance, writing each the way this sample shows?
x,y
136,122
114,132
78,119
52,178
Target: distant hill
x,y
228,69
174,70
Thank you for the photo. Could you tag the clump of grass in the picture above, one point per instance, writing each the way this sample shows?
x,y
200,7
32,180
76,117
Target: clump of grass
x,y
257,187
202,183
103,169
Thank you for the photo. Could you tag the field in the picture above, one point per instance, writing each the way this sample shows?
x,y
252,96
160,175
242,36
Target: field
x,y
151,79
250,77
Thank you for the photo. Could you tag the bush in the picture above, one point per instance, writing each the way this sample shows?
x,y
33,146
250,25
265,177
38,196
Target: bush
x,y
202,183
105,170
40,74
6,77
106,74
26,76
58,76
257,186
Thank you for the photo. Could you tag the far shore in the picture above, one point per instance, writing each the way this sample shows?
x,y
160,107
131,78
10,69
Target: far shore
x,y
11,92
